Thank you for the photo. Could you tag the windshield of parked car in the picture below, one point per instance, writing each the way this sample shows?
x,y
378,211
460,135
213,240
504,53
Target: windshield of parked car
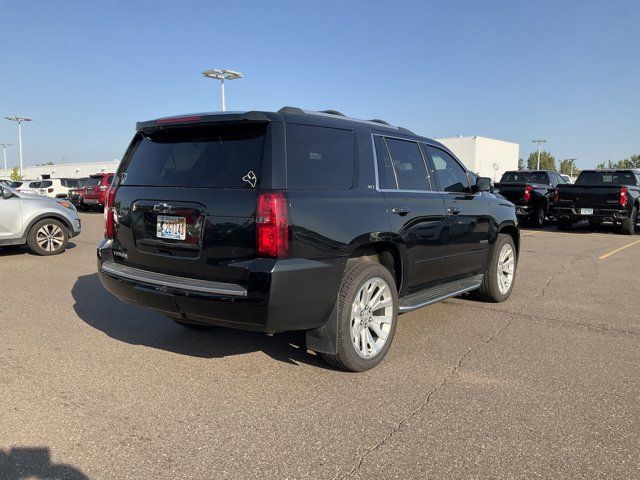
x,y
525,177
15,184
606,178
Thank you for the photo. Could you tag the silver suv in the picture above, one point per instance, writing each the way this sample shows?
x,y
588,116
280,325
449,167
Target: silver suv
x,y
45,224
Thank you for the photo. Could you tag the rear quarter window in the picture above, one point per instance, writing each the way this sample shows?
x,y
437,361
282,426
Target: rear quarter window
x,y
319,158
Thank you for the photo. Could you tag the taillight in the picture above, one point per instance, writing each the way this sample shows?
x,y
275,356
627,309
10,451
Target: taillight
x,y
527,193
623,196
272,226
109,214
556,196
50,190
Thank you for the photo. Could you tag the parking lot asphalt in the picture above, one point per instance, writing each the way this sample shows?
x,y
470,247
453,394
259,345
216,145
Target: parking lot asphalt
x,y
545,385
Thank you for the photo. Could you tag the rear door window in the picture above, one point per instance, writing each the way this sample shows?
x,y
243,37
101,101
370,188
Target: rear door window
x,y
319,158
208,156
450,175
401,165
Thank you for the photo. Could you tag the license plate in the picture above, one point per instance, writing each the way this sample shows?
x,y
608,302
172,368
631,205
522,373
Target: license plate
x,y
174,228
586,211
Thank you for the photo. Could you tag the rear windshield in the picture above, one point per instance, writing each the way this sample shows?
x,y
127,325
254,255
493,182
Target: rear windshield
x,y
69,182
525,177
606,178
44,184
220,156
93,181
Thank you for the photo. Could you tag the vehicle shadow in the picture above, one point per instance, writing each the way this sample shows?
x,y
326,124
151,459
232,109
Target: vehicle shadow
x,y
140,326
11,250
34,463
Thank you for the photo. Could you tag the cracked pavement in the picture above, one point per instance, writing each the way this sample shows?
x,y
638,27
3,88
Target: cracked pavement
x,y
544,385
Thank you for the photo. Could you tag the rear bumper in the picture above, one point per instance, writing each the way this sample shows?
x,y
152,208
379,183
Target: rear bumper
x,y
93,201
280,295
599,214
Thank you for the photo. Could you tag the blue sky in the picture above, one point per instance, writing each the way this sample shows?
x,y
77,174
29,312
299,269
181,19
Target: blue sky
x,y
567,71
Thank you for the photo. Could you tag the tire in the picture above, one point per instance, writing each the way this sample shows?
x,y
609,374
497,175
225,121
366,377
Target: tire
x,y
48,237
367,324
193,326
493,288
537,217
563,224
629,225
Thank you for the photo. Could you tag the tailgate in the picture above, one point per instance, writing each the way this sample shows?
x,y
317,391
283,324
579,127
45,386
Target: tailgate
x,y
589,195
186,201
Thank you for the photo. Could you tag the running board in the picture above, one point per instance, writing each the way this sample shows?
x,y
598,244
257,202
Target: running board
x,y
439,293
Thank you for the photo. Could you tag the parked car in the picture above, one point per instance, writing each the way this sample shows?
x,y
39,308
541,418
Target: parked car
x,y
76,194
96,190
301,220
566,178
532,193
600,196
44,224
28,186
57,187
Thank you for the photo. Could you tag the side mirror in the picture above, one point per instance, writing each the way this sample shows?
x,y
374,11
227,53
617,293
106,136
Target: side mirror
x,y
483,184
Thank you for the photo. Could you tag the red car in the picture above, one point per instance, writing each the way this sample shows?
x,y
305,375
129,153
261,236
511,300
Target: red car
x,y
96,190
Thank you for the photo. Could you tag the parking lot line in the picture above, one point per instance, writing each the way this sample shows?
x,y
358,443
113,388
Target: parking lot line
x,y
619,249
528,233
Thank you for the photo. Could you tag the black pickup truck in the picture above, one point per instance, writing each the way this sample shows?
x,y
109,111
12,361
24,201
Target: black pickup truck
x,y
531,191
600,196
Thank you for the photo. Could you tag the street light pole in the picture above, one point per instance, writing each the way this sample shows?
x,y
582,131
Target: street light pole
x,y
18,119
222,75
538,142
4,155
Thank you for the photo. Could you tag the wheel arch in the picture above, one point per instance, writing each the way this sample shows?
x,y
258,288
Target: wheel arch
x,y
514,232
44,216
386,253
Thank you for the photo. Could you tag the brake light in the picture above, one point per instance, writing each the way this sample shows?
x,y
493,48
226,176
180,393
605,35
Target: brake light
x,y
272,226
527,193
623,196
50,190
556,196
109,214
183,119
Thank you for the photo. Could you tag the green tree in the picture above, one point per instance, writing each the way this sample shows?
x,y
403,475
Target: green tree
x,y
15,175
520,163
547,161
566,167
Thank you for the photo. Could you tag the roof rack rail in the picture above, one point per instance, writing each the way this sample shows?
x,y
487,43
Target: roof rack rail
x,y
300,111
333,112
291,110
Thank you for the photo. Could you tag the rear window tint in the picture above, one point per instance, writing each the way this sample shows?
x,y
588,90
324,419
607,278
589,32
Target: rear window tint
x,y
45,184
525,177
208,156
606,178
319,158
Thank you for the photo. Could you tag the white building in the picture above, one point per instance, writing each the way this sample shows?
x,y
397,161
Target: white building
x,y
65,170
485,156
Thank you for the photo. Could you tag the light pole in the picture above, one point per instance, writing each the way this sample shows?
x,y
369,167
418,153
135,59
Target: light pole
x,y
571,160
18,119
4,155
222,75
538,142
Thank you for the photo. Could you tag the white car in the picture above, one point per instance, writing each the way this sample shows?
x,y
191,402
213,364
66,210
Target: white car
x,y
57,187
28,186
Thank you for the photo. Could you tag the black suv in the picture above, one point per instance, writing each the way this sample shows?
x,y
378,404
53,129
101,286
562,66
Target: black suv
x,y
299,220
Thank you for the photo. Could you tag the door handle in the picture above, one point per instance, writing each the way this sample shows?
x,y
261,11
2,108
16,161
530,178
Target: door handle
x,y
453,210
400,211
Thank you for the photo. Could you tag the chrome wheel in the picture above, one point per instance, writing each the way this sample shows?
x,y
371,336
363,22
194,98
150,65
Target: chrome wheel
x,y
371,317
50,237
506,268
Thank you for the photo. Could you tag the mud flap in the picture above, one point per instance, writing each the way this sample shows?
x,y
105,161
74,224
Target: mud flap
x,y
325,339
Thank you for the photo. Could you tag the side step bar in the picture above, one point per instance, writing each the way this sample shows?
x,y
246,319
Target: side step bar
x,y
439,292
